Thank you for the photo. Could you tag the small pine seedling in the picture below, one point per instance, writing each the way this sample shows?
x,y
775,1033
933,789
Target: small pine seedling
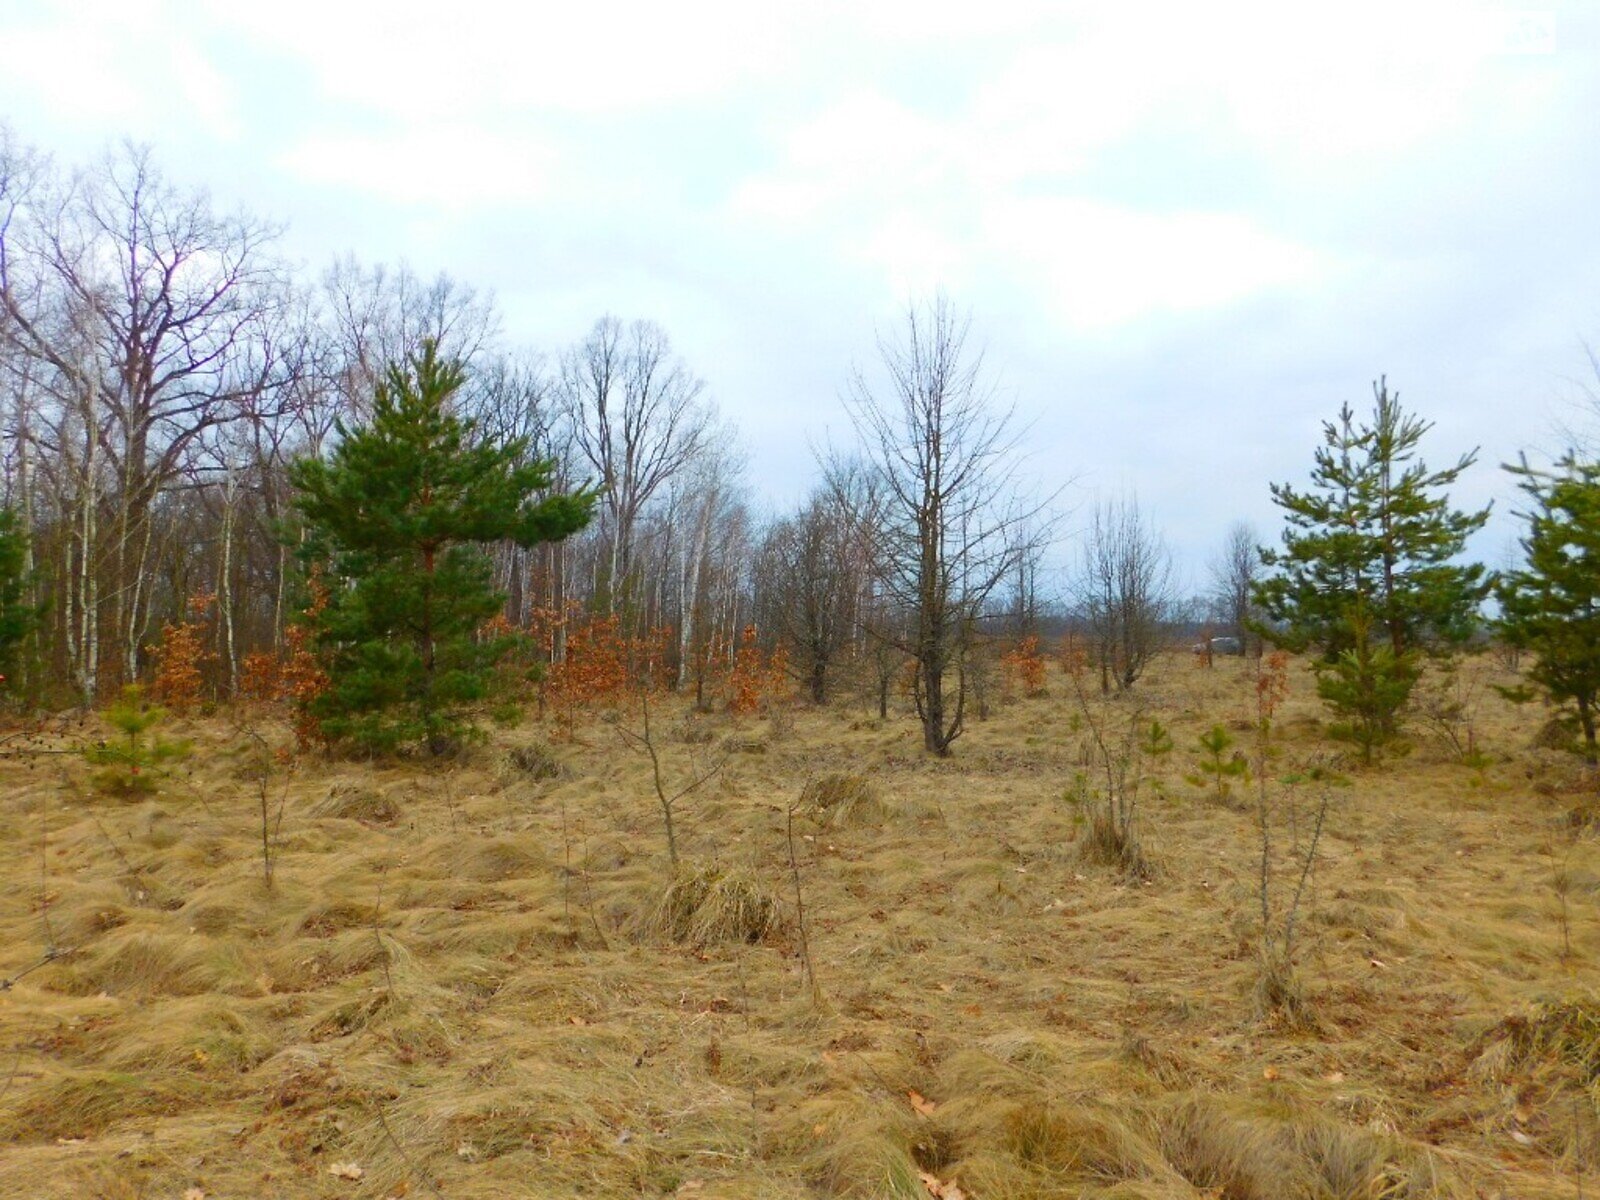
x,y
1217,768
131,764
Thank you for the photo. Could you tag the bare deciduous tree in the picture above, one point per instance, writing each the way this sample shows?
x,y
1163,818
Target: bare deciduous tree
x,y
638,417
137,301
1124,592
1234,573
949,527
809,574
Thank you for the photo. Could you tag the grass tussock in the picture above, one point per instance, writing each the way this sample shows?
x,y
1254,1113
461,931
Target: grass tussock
x,y
842,799
1561,1032
488,860
352,802
534,1010
143,966
534,761
1084,1142
851,1145
1107,842
708,904
1279,994
83,1104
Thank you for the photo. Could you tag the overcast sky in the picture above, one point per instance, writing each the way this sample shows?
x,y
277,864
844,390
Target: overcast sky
x,y
1186,233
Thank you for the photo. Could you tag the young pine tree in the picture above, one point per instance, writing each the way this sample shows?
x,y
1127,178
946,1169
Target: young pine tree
x,y
1551,605
397,518
1366,576
17,616
131,763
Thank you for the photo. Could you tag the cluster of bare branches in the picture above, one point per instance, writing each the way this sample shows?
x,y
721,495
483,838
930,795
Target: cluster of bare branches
x,y
1124,592
162,365
945,519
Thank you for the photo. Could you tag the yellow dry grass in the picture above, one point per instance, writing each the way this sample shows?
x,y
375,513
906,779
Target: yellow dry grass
x,y
475,981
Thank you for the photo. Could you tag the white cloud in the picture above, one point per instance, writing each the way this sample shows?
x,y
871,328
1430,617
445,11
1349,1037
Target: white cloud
x,y
133,66
1099,265
449,166
416,60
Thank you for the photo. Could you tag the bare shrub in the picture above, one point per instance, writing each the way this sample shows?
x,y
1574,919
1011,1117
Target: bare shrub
x,y
1108,792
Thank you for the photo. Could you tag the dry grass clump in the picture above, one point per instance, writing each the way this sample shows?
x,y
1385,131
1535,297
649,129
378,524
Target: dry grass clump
x,y
1230,1149
535,761
1224,1154
206,1036
1085,1142
1551,1032
336,916
854,1145
507,984
1108,842
840,799
353,802
143,966
1584,815
1279,995
708,904
1347,1163
80,1104
487,860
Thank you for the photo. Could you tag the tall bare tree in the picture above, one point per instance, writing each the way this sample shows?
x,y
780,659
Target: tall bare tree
x,y
138,301
1124,591
1235,571
638,417
809,574
950,526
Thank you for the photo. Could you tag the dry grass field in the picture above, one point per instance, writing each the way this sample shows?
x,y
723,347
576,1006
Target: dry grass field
x,y
471,982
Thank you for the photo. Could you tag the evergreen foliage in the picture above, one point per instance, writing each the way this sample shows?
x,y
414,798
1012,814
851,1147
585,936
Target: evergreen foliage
x,y
1365,576
1551,606
397,518
132,765
17,616
1218,768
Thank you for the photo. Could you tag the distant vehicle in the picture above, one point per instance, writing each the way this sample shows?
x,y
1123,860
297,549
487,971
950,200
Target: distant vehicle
x,y
1227,645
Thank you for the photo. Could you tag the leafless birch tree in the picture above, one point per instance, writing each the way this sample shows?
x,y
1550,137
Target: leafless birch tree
x,y
638,416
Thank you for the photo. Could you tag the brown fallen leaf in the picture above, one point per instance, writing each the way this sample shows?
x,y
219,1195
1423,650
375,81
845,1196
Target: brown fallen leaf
x,y
346,1171
577,1020
939,1189
921,1103
1334,1076
193,1193
1270,1074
